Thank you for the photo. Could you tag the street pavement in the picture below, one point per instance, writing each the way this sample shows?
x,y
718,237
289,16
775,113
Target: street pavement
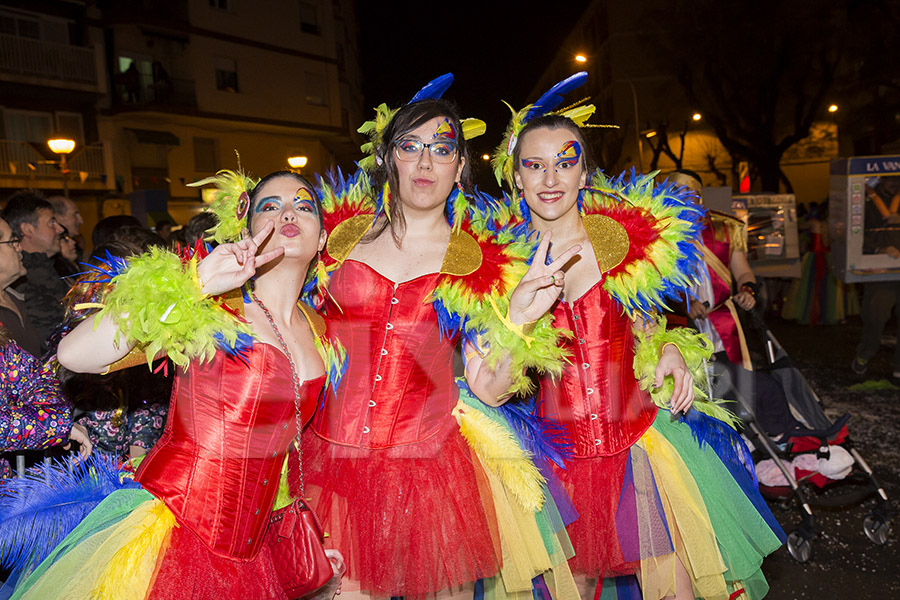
x,y
844,563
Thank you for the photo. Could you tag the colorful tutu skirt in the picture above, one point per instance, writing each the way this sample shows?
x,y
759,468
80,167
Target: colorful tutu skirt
x,y
417,519
130,547
666,497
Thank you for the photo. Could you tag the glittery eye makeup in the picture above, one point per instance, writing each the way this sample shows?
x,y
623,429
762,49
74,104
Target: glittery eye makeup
x,y
303,199
533,165
569,154
268,203
445,130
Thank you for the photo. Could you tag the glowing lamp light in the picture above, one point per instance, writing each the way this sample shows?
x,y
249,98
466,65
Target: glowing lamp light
x,y
298,162
697,116
650,134
580,58
833,108
485,157
61,145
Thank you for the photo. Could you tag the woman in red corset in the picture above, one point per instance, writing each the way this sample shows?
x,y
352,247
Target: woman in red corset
x,y
195,526
651,500
391,477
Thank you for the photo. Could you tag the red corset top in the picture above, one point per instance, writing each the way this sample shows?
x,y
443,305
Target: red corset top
x,y
398,388
598,400
218,463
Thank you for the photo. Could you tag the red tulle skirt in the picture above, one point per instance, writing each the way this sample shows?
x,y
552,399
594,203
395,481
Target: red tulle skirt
x,y
615,511
187,569
410,520
594,485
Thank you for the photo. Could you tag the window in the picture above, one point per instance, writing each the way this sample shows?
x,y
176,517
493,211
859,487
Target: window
x,y
20,25
69,125
205,155
309,18
315,89
226,74
226,5
35,27
28,126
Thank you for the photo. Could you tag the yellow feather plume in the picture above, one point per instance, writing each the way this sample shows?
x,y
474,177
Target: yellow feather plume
x,y
500,453
472,128
580,114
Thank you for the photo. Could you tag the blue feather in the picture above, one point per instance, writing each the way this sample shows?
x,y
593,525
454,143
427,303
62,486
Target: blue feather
x,y
724,441
543,438
554,96
242,345
40,508
106,269
449,323
434,88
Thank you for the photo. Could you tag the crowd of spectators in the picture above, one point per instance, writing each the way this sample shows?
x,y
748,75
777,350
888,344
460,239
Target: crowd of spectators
x,y
42,254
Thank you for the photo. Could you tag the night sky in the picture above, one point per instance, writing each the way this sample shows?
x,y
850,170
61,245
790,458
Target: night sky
x,y
494,50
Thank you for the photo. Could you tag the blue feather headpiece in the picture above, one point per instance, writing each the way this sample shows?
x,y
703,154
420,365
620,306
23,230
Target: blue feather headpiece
x,y
548,103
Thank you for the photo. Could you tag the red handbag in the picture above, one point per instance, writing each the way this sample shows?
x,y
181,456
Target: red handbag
x,y
294,539
294,536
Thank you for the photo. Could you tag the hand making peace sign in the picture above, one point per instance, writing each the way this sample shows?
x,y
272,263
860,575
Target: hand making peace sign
x,y
541,285
229,266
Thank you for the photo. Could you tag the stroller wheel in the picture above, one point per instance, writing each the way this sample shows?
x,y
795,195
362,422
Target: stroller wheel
x,y
799,546
877,528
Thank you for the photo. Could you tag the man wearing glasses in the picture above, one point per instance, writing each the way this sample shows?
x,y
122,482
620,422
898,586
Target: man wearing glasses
x,y
31,219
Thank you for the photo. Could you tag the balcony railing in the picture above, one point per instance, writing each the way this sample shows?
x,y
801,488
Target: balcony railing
x,y
175,93
22,160
48,60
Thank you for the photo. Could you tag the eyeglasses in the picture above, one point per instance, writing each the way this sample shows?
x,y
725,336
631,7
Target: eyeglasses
x,y
12,240
442,151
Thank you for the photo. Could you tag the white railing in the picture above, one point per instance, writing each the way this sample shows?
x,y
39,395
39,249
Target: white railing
x,y
20,158
35,58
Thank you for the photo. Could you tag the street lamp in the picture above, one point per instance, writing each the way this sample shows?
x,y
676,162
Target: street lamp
x,y
297,162
580,58
833,108
696,116
63,147
485,157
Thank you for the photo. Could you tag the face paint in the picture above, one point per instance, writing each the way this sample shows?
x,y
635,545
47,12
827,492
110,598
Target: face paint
x,y
303,200
569,155
533,165
268,203
445,130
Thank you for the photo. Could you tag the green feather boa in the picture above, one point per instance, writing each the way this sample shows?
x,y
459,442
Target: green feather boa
x,y
158,306
540,353
696,350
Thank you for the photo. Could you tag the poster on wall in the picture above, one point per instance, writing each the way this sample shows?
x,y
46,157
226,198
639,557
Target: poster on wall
x,y
863,220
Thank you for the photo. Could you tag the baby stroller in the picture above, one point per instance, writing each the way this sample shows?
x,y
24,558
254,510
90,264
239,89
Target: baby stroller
x,y
814,440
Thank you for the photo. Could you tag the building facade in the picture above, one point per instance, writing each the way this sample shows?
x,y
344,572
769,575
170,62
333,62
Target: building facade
x,y
160,93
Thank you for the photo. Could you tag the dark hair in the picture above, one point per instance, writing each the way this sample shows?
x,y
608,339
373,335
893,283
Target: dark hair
x,y
689,173
59,204
408,118
22,207
555,122
276,175
197,227
104,229
141,237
